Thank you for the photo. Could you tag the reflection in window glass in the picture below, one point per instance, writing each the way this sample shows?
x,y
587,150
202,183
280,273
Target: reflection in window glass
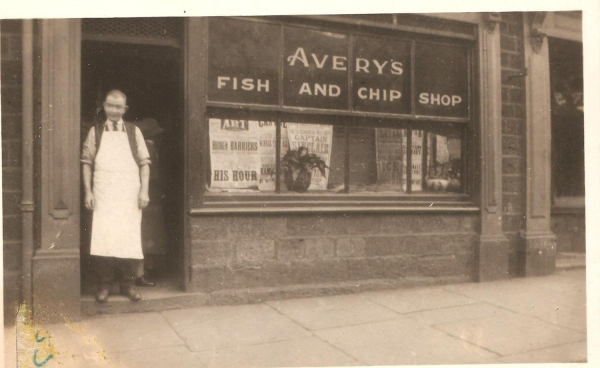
x,y
443,163
568,155
305,148
377,160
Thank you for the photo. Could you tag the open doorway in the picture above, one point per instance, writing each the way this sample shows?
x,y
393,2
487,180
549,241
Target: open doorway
x,y
150,76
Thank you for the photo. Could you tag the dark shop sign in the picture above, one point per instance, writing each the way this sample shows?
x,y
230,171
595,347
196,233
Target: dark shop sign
x,y
261,63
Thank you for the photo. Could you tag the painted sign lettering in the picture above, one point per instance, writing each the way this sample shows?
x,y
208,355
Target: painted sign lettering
x,y
330,70
248,71
315,71
380,84
441,80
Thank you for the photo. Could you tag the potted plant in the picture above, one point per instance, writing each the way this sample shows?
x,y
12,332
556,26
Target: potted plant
x,y
444,176
297,166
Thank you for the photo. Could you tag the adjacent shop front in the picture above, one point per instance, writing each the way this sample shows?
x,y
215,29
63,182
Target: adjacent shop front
x,y
302,155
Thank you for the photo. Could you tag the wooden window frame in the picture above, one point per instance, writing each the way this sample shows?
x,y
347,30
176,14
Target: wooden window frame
x,y
232,203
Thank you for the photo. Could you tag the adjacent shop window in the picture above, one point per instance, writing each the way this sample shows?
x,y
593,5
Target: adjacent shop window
x,y
566,75
300,109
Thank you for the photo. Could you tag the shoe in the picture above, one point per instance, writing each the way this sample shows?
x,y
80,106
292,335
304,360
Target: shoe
x,y
141,281
130,292
102,295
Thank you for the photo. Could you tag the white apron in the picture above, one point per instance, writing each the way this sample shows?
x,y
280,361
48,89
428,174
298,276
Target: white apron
x,y
116,227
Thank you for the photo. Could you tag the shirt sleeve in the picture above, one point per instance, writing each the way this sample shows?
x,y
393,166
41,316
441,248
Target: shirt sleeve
x,y
142,149
88,153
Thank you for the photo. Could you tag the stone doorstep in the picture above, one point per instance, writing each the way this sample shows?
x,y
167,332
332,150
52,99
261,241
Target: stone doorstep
x,y
163,299
570,261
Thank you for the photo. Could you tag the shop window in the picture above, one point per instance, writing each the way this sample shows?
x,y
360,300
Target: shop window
x,y
568,166
378,161
357,159
374,114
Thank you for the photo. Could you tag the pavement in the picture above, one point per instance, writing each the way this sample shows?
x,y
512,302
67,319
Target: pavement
x,y
521,320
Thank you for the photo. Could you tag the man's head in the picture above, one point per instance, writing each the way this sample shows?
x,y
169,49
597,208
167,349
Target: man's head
x,y
115,105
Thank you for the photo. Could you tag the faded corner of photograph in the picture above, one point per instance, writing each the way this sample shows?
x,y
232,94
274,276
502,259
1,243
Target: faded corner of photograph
x,y
294,190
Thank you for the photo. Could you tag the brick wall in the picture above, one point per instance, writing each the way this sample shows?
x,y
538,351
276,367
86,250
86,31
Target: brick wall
x,y
254,251
513,131
11,70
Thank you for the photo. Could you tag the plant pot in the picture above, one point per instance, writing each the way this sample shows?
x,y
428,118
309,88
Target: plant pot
x,y
437,184
301,183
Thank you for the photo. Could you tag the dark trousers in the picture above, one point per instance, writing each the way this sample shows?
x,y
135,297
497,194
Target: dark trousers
x,y
112,269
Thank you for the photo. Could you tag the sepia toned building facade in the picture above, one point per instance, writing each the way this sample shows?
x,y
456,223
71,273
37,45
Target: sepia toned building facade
x,y
453,145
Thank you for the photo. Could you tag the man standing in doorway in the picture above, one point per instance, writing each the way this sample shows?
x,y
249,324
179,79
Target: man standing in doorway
x,y
116,156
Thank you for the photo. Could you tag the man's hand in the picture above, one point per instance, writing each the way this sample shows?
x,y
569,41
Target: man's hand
x,y
143,199
90,202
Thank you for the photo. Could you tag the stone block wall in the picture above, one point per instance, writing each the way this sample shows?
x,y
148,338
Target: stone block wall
x,y
269,251
514,158
11,76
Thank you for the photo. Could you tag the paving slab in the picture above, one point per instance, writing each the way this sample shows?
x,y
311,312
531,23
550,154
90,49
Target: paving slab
x,y
79,361
508,335
568,353
333,311
113,334
532,320
216,328
403,342
578,275
407,301
175,357
460,313
75,346
559,285
558,299
310,352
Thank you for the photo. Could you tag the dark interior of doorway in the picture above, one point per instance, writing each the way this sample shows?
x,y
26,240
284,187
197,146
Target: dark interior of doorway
x,y
150,76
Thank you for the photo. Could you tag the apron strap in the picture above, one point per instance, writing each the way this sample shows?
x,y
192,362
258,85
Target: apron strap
x,y
99,130
129,128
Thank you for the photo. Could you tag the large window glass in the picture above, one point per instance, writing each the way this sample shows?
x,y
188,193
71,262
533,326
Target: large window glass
x,y
331,157
313,110
376,160
566,76
443,160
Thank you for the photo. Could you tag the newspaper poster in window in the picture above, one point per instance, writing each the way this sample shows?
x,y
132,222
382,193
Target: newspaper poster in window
x,y
389,159
417,160
235,157
442,153
318,140
268,141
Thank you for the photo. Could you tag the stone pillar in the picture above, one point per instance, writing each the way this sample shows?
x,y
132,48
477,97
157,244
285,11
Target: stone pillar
x,y
537,251
493,248
196,154
56,275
